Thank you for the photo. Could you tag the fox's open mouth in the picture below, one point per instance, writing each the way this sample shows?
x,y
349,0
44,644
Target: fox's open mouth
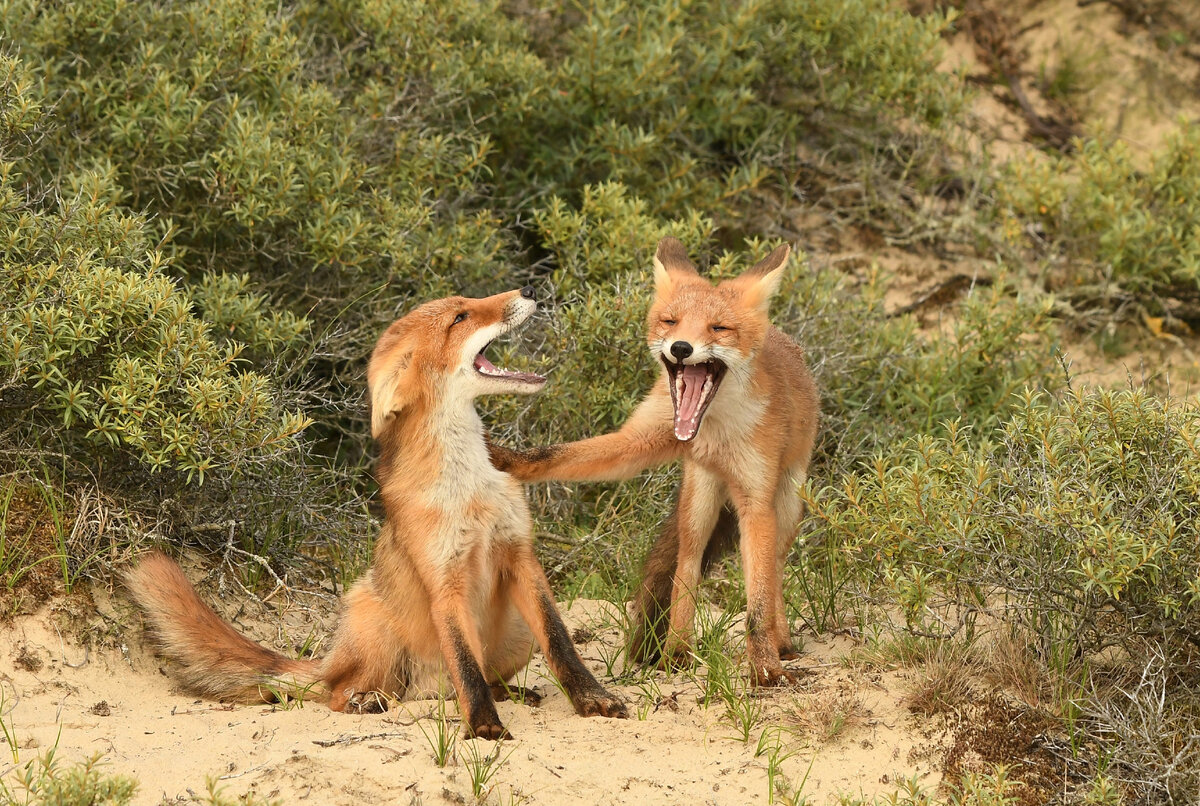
x,y
693,387
489,370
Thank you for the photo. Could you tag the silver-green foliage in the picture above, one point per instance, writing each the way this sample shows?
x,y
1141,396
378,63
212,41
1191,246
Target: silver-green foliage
x,y
1113,217
98,344
45,781
1077,516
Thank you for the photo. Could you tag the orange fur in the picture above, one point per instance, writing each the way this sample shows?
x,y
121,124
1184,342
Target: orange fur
x,y
454,587
747,444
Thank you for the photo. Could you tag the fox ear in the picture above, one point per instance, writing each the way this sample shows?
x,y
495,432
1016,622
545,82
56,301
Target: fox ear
x,y
670,258
389,393
763,279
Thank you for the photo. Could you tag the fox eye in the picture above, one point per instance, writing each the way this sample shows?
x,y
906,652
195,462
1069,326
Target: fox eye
x,y
718,328
459,318
669,322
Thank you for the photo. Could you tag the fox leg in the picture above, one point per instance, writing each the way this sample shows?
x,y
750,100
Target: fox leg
x,y
508,649
370,657
760,563
645,440
459,641
701,496
789,509
531,594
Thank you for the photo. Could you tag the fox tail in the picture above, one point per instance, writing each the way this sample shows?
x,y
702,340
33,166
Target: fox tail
x,y
216,660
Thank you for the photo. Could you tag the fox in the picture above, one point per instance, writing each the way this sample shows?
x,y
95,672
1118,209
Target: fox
x,y
454,588
736,402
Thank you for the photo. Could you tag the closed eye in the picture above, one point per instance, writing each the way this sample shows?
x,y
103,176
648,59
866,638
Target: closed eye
x,y
670,322
459,318
718,328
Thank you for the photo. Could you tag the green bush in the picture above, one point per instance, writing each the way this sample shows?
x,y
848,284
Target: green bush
x,y
884,380
241,127
691,105
301,174
1075,518
99,348
46,782
1113,219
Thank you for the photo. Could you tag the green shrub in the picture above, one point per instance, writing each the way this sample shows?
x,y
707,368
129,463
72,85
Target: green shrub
x,y
1075,518
691,105
1111,218
46,782
238,124
883,379
98,346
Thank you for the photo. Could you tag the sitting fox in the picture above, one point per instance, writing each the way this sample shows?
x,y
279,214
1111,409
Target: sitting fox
x,y
454,586
736,401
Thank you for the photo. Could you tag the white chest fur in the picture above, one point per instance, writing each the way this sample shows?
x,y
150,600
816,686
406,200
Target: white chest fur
x,y
478,505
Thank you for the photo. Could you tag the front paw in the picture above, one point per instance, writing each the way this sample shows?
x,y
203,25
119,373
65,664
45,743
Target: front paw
x,y
768,675
601,703
487,730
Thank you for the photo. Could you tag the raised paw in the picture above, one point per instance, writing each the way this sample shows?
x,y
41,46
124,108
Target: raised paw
x,y
788,652
601,703
488,730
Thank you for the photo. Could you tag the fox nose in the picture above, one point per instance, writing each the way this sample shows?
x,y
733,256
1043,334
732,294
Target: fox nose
x,y
527,292
681,349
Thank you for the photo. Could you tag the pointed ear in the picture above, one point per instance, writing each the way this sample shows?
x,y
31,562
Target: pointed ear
x,y
762,280
389,392
670,258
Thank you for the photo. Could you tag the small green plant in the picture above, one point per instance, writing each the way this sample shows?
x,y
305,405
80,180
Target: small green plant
x,y
8,728
46,782
985,789
287,694
649,696
442,736
217,797
780,789
482,767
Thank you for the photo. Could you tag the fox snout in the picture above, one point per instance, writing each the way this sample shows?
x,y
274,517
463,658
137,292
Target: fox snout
x,y
681,350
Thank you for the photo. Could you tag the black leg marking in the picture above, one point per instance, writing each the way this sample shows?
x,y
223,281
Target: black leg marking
x,y
481,717
587,695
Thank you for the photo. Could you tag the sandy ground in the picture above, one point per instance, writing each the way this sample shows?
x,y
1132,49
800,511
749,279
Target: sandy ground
x,y
841,730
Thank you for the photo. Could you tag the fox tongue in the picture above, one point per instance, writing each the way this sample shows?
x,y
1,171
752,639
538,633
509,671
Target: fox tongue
x,y
687,400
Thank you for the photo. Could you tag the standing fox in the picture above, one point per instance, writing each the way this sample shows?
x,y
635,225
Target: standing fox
x,y
455,584
726,367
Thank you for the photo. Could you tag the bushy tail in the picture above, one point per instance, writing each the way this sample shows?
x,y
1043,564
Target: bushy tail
x,y
653,599
216,660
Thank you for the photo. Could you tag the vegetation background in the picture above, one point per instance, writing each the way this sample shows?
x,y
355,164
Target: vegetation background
x,y
209,211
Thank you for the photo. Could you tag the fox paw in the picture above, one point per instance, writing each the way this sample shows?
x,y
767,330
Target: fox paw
x,y
772,677
788,652
520,694
489,730
601,703
366,702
